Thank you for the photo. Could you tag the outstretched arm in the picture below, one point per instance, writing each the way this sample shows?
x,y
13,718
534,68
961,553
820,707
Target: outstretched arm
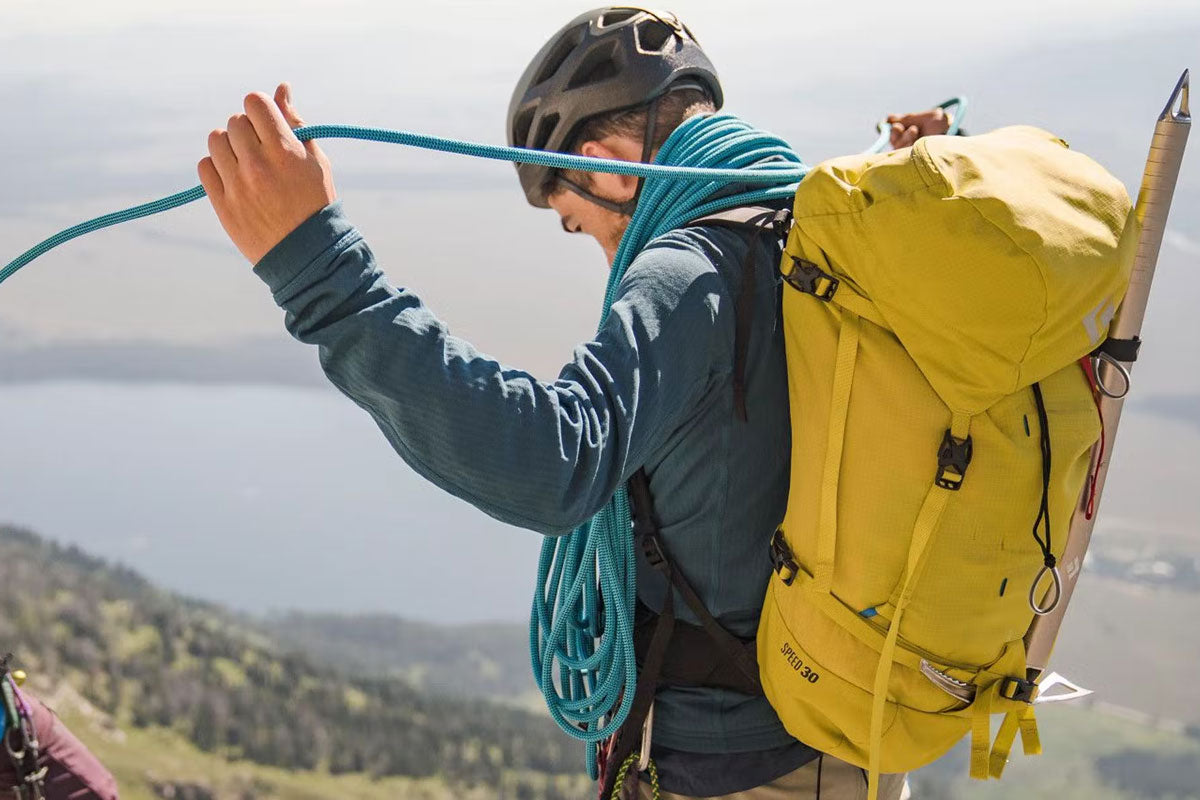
x,y
542,455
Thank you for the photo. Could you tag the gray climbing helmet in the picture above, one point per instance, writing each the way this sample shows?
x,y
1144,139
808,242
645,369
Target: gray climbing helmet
x,y
609,59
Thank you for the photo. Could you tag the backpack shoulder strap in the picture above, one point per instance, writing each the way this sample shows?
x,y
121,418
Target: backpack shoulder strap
x,y
759,220
743,217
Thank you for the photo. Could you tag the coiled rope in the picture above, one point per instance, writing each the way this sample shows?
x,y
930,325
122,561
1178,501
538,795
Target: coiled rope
x,y
581,625
581,622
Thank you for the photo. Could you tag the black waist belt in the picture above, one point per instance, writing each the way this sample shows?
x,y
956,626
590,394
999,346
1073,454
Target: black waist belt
x,y
670,651
692,658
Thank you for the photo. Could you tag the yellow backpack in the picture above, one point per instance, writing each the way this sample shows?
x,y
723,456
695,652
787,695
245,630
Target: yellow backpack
x,y
937,301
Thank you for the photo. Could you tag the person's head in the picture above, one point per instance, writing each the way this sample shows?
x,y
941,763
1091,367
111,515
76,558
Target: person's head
x,y
613,83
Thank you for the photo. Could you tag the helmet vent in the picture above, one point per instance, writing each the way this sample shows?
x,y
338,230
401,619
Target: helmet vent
x,y
545,129
613,16
521,127
597,65
652,36
562,48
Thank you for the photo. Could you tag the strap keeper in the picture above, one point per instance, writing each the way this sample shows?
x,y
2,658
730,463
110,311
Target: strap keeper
x,y
807,277
953,457
782,223
1125,350
1018,690
782,560
653,549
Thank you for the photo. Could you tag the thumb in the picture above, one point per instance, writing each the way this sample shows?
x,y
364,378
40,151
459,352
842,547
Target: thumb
x,y
283,99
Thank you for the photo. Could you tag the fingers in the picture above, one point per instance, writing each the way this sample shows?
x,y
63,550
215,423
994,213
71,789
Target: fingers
x,y
905,129
283,99
210,179
269,124
220,152
242,137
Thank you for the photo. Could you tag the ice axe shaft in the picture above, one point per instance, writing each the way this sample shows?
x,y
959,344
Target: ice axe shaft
x,y
1153,204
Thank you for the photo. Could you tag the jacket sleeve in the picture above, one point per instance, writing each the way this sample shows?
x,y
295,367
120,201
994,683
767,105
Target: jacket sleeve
x,y
540,455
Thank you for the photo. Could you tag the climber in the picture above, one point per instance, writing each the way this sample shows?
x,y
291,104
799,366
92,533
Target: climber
x,y
685,380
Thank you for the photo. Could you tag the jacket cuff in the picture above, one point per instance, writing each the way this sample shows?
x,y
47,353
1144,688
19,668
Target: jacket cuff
x,y
313,238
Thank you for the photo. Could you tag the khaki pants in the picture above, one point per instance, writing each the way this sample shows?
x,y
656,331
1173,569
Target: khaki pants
x,y
838,781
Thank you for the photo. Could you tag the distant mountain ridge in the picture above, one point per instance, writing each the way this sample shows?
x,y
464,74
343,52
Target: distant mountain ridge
x,y
484,660
272,361
276,360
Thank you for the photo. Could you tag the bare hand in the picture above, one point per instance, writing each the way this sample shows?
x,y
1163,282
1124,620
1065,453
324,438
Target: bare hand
x,y
263,181
907,128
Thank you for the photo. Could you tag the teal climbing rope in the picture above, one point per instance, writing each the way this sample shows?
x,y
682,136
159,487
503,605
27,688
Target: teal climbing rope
x,y
581,621
494,152
581,624
475,149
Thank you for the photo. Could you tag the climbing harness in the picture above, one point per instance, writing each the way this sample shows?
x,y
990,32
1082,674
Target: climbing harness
x,y
20,739
582,616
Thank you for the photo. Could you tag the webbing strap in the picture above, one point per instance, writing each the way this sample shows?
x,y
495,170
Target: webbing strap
x,y
1021,721
981,733
926,525
927,522
989,758
628,736
839,406
852,301
646,528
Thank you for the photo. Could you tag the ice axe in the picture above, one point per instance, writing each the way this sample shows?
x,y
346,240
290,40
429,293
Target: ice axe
x,y
1114,360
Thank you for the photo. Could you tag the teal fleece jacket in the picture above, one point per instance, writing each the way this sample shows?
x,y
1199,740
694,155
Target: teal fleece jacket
x,y
654,388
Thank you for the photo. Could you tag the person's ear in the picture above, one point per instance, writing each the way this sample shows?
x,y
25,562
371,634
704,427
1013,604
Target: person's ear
x,y
606,185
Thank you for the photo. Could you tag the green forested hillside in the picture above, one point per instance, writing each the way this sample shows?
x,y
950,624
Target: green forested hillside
x,y
152,660
185,699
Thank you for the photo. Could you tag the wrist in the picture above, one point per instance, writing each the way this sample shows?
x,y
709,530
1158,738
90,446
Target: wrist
x,y
321,232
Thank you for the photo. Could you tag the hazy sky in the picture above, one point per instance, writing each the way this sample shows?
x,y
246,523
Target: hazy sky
x,y
108,104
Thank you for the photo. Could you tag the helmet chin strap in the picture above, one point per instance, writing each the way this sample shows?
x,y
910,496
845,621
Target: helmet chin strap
x,y
627,207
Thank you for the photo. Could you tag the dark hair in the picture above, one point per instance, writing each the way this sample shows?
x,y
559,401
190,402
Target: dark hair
x,y
673,108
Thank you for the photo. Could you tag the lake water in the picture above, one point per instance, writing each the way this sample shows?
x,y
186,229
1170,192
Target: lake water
x,y
257,497
268,498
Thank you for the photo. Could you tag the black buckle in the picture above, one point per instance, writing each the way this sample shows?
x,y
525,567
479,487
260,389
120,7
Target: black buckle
x,y
1019,690
953,457
781,223
811,279
1121,349
782,560
652,547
